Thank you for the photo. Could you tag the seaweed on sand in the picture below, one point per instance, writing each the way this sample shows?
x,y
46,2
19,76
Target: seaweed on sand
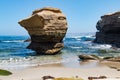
x,y
68,78
5,72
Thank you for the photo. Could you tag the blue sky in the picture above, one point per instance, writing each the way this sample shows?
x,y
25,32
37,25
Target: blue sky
x,y
82,15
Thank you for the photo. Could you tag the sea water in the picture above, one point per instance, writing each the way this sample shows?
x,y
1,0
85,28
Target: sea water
x,y
15,55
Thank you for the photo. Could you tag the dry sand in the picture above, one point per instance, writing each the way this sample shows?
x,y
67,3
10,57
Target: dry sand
x,y
35,73
111,64
57,70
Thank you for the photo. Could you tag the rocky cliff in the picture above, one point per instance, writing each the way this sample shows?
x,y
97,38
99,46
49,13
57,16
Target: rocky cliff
x,y
47,28
109,29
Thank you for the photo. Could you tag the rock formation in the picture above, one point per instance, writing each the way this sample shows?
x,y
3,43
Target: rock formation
x,y
112,62
95,57
84,57
47,28
109,29
115,59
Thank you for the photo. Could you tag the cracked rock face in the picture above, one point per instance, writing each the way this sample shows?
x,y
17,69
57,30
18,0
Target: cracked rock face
x,y
109,29
47,28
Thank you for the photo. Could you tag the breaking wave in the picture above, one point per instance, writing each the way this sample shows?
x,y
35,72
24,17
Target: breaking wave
x,y
12,41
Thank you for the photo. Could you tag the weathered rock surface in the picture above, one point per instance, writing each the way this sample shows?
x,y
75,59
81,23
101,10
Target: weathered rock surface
x,y
94,57
115,59
109,29
88,57
112,62
47,28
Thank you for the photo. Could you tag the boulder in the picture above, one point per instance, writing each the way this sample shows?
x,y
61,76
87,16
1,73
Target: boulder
x,y
109,29
47,28
88,57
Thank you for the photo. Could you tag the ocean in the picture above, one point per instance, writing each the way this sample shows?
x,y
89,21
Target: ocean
x,y
14,55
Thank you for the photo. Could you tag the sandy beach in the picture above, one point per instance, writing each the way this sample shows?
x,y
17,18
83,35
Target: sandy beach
x,y
36,73
54,38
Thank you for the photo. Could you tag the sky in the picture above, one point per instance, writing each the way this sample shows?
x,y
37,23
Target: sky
x,y
82,15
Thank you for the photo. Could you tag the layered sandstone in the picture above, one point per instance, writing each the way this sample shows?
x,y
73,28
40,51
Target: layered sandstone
x,y
109,29
47,28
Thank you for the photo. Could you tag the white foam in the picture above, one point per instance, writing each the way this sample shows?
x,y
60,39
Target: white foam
x,y
99,46
78,39
75,47
13,41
